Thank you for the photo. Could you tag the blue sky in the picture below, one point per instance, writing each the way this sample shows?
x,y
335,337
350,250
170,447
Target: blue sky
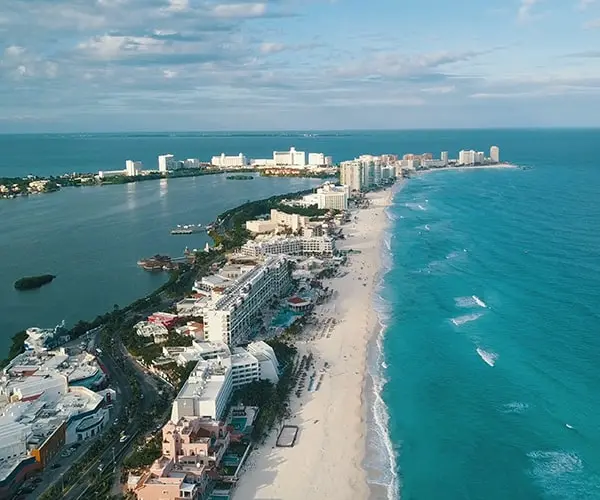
x,y
104,65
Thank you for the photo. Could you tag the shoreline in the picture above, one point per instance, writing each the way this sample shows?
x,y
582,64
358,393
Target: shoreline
x,y
380,466
328,460
500,166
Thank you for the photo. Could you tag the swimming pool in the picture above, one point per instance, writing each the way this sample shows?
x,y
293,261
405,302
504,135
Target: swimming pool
x,y
284,318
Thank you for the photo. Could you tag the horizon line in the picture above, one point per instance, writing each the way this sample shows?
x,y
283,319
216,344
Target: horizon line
x,y
305,131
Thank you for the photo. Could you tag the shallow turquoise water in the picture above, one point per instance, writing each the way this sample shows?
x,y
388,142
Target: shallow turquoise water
x,y
499,401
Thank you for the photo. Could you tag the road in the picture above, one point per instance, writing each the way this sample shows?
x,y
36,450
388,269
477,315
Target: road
x,y
110,460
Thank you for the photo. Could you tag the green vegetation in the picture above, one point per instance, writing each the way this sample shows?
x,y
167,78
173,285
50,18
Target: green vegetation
x,y
231,232
271,399
145,454
32,282
16,348
312,211
20,185
298,173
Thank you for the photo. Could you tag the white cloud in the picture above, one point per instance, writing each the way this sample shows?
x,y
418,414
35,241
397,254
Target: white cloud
x,y
271,48
592,24
439,90
525,9
14,51
178,5
584,4
110,47
239,10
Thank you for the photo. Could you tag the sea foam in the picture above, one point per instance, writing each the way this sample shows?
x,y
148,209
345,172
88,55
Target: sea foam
x,y
381,458
515,407
489,357
467,318
469,302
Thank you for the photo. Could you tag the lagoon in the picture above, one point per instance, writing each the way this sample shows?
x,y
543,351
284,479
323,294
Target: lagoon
x,y
91,238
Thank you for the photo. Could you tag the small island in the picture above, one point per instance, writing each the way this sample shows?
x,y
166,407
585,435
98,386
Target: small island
x,y
240,177
32,282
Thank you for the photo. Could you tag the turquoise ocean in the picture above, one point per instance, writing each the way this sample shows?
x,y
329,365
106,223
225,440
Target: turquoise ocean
x,y
485,378
488,362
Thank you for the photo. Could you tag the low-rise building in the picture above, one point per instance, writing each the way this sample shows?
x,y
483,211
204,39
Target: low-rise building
x,y
163,318
168,480
278,220
157,331
39,414
294,245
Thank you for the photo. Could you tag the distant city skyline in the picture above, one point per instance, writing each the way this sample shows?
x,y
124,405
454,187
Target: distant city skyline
x,y
219,65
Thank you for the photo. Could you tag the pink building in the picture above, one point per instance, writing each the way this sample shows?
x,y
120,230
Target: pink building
x,y
162,318
166,480
195,442
192,449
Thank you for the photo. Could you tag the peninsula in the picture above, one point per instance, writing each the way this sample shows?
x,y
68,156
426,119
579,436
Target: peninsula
x,y
33,282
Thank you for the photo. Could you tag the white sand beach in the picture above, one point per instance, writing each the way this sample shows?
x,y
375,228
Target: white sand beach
x,y
326,461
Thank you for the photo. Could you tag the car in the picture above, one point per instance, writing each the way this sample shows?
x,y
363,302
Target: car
x,y
123,438
55,466
100,467
76,445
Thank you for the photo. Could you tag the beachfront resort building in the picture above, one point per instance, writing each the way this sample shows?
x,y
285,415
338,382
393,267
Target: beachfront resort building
x,y
291,158
219,371
192,449
278,220
444,158
166,163
319,160
332,197
232,317
206,391
495,154
471,157
133,168
191,163
296,245
351,175
224,161
166,480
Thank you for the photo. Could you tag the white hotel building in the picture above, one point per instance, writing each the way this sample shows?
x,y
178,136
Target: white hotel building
x,y
218,373
331,197
351,175
291,158
166,163
230,318
224,161
133,168
316,245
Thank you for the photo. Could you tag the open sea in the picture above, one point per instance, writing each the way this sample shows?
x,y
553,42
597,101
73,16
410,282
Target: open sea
x,y
485,379
490,352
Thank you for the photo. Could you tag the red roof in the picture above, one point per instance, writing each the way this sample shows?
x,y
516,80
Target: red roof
x,y
297,300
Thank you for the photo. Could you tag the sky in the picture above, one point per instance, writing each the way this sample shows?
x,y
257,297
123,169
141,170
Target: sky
x,y
160,65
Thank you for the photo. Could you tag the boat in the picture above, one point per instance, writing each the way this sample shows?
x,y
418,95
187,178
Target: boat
x,y
188,229
157,263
